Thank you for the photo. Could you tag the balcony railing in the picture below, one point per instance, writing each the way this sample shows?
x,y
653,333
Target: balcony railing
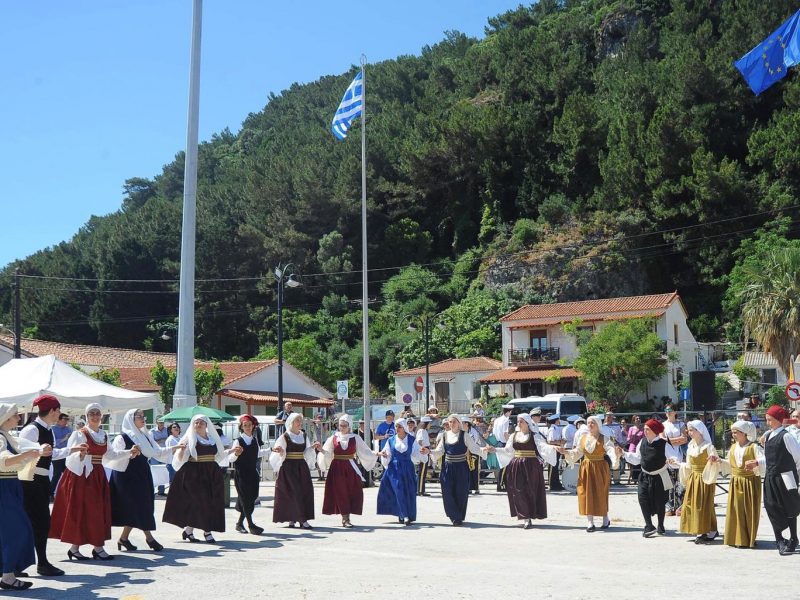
x,y
528,356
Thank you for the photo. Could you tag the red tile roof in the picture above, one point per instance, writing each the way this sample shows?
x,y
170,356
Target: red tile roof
x,y
139,378
99,356
271,398
518,374
454,365
606,307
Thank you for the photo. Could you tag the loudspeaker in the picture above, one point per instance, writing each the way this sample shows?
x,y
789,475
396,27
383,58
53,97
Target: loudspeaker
x,y
701,384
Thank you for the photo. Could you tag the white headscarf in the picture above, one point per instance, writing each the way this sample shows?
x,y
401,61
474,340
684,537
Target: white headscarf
x,y
347,419
92,406
297,438
402,423
191,441
141,437
747,428
700,427
527,418
344,438
6,412
591,442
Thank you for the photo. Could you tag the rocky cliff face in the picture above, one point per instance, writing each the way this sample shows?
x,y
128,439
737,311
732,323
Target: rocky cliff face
x,y
615,30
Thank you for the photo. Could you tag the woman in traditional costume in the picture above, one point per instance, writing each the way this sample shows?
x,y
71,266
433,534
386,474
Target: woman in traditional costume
x,y
454,444
744,488
344,493
698,475
398,491
132,502
594,476
247,474
17,460
173,440
196,497
523,457
293,456
82,509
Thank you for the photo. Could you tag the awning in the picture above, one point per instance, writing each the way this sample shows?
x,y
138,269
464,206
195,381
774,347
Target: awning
x,y
518,375
269,398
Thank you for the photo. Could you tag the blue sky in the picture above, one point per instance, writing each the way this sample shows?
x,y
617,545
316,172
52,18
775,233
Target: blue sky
x,y
94,91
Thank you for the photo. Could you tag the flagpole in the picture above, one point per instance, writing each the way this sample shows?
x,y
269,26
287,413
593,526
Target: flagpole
x,y
185,392
364,287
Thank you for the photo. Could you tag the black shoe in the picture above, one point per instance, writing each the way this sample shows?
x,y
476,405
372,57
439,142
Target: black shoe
x,y
528,524
125,544
154,545
649,532
291,524
702,539
407,522
76,555
20,574
240,528
661,530
783,548
256,530
791,546
102,555
605,525
591,529
400,520
188,537
18,585
306,525
209,538
48,570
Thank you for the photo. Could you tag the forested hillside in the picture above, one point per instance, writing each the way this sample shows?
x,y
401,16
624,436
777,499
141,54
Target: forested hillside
x,y
583,148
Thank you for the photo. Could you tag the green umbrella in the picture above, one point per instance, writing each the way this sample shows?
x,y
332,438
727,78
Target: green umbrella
x,y
187,412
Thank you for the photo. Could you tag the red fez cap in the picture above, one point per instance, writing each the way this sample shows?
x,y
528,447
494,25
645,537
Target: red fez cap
x,y
654,425
778,413
46,402
250,418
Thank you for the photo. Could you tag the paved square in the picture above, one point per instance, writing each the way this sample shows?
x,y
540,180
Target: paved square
x,y
489,557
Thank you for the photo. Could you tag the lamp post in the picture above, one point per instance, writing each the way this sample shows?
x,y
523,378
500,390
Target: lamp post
x,y
284,275
427,322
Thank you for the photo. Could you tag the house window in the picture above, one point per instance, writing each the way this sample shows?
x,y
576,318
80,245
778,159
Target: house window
x,y
769,376
233,409
532,388
565,387
539,339
476,390
675,333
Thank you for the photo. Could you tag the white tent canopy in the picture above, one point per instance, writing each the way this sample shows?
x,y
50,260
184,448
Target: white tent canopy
x,y
22,380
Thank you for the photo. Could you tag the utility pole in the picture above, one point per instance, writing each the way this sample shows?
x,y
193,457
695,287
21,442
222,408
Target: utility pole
x,y
17,317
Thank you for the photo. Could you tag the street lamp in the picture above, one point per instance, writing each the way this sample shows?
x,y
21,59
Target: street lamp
x,y
427,322
284,275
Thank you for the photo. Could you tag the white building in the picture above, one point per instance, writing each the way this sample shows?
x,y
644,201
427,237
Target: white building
x,y
455,384
769,373
537,352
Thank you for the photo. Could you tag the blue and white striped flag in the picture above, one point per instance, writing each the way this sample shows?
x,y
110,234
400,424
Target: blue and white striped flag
x,y
349,108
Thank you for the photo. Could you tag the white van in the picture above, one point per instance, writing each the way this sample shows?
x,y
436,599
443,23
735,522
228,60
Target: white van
x,y
562,404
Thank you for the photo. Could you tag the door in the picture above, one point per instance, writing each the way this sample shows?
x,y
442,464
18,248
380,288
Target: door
x,y
442,389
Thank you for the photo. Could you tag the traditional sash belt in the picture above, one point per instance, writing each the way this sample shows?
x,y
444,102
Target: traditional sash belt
x,y
343,456
593,458
455,457
664,474
204,458
524,453
698,470
8,475
739,472
41,471
294,456
97,460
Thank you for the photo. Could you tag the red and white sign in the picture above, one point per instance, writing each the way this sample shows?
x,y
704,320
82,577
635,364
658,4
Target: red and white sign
x,y
793,391
419,385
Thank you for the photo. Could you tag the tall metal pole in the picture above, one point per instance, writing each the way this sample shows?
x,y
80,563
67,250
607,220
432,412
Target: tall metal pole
x,y
364,288
280,343
427,333
17,317
185,392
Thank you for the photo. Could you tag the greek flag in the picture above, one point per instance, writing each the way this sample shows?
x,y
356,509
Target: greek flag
x,y
349,108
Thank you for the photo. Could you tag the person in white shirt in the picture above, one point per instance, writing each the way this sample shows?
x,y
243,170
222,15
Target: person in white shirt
x,y
616,433
676,436
569,432
554,438
423,441
500,430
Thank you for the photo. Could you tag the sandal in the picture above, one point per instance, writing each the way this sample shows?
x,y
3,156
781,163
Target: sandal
x,y
17,585
189,537
209,537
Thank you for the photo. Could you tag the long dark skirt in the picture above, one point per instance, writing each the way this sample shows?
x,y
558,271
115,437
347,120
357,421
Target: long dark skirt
x,y
16,533
294,492
247,489
344,492
132,503
455,489
525,488
196,497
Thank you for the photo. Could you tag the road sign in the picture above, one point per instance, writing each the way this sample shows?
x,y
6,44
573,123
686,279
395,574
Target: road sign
x,y
407,398
686,395
419,385
342,390
793,391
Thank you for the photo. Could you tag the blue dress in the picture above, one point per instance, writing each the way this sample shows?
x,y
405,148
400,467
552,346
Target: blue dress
x,y
397,494
454,479
16,533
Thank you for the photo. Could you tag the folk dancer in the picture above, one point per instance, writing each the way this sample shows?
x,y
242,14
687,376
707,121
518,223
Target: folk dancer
x,y
293,455
594,476
698,476
246,472
500,429
196,498
82,509
654,480
554,438
473,460
37,491
453,446
522,457
344,493
397,492
744,488
17,461
132,504
423,441
782,463
675,434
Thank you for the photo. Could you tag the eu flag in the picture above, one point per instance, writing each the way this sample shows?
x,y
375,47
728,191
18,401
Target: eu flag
x,y
767,63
